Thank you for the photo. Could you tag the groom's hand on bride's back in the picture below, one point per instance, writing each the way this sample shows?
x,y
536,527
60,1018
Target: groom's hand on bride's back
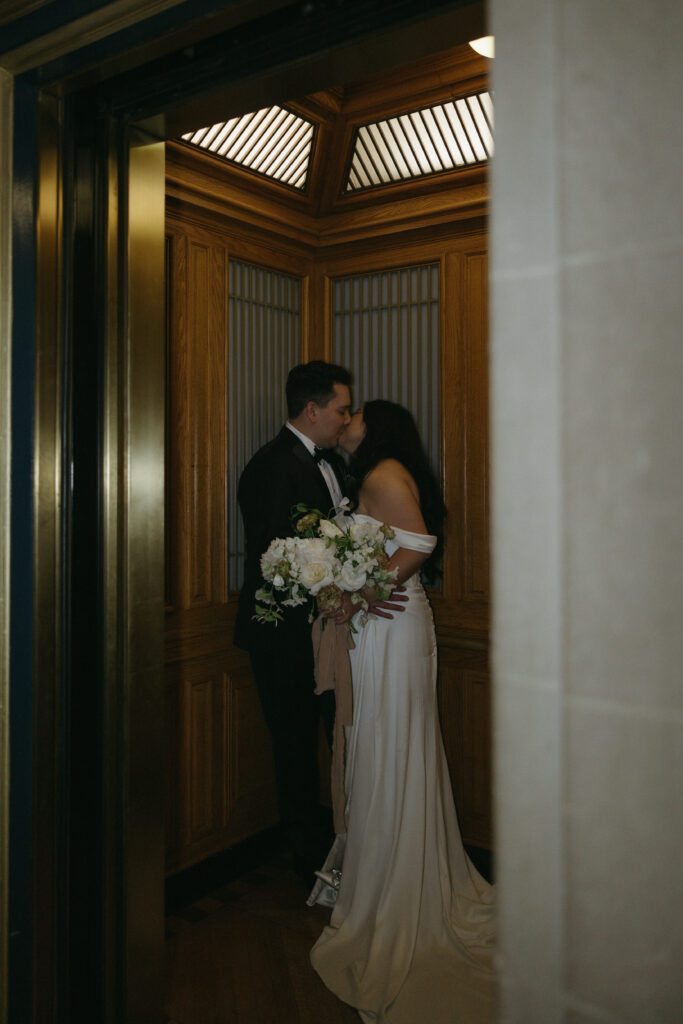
x,y
384,609
396,602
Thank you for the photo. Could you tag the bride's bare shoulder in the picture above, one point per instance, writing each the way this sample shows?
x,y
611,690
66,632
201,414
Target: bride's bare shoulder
x,y
389,473
390,494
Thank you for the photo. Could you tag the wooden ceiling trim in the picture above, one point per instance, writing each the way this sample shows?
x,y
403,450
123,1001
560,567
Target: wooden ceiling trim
x,y
411,213
226,198
328,181
339,261
339,111
323,216
215,199
188,163
281,250
445,74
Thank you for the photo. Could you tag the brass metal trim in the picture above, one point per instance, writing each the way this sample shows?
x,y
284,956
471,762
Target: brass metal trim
x,y
47,553
82,32
141,573
10,10
6,130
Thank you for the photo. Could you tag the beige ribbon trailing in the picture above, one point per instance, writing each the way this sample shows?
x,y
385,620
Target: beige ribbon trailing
x,y
331,645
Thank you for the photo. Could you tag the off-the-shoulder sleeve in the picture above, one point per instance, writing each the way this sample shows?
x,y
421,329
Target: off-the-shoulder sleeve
x,y
424,542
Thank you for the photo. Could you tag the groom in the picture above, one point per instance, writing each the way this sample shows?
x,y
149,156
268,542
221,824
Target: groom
x,y
299,465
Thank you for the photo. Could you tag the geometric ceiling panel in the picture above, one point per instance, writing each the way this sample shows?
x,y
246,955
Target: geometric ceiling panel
x,y
427,141
273,141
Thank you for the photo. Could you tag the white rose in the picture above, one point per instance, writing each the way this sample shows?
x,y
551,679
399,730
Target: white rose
x,y
329,529
351,577
363,532
315,549
316,575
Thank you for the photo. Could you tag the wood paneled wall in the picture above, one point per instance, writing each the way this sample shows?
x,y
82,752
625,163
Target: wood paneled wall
x,y
220,786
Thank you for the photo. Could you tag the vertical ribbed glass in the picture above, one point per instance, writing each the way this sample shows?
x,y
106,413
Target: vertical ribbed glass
x,y
385,329
264,342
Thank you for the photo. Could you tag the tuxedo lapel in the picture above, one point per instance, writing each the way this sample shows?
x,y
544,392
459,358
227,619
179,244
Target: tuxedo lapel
x,y
303,456
340,471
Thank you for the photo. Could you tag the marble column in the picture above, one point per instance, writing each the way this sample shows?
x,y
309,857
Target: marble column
x,y
587,408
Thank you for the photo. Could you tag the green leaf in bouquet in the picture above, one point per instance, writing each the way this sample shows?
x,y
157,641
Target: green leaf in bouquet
x,y
267,614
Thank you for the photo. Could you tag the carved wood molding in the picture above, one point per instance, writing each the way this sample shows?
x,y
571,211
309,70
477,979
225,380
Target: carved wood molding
x,y
322,216
205,192
436,79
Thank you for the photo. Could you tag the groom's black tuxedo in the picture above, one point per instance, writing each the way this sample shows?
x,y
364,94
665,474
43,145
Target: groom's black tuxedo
x,y
280,475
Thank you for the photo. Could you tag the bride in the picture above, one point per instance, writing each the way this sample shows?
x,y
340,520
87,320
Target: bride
x,y
411,934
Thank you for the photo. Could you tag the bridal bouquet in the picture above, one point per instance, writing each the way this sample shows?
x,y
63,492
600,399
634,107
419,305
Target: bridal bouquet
x,y
326,557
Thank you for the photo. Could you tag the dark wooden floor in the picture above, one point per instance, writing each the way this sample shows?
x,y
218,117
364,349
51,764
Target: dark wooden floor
x,y
240,955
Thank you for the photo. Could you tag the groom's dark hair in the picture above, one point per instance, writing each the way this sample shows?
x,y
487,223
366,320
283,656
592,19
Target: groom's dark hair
x,y
313,382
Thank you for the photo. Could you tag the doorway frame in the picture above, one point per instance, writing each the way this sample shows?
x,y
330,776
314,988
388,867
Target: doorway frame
x,y
132,541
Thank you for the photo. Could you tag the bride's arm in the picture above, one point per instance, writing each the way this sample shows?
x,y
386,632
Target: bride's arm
x,y
390,494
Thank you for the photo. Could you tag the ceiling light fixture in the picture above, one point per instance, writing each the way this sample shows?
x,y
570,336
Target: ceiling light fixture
x,y
486,46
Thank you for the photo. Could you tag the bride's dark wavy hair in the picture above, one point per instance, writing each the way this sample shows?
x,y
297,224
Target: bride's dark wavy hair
x,y
391,433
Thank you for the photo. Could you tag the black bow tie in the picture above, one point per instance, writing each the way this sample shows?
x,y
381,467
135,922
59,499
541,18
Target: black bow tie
x,y
319,453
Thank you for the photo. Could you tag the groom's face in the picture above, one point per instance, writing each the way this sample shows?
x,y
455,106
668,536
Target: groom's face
x,y
328,421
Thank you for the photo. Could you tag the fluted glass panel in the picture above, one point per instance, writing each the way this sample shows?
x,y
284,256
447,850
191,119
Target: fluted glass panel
x,y
264,342
385,329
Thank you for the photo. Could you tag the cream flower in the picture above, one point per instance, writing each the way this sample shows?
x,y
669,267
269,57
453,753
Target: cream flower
x,y
315,575
352,577
329,529
314,549
364,532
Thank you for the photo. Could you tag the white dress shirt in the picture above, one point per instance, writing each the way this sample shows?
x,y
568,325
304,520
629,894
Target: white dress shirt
x,y
323,465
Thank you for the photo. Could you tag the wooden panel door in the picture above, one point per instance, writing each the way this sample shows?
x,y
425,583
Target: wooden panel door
x,y
465,710
220,780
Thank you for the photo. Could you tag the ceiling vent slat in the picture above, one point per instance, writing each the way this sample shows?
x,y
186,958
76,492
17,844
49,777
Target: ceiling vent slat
x,y
380,170
438,140
273,142
422,131
364,162
463,108
270,142
418,143
386,130
453,143
287,138
216,141
419,154
227,136
288,153
384,152
282,137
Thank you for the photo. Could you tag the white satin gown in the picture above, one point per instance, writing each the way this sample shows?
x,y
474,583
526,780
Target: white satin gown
x,y
411,936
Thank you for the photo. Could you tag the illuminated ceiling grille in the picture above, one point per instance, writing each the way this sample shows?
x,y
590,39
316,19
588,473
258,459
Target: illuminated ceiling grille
x,y
273,141
427,141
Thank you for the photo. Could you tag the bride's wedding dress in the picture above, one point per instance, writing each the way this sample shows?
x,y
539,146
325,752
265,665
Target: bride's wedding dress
x,y
410,940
